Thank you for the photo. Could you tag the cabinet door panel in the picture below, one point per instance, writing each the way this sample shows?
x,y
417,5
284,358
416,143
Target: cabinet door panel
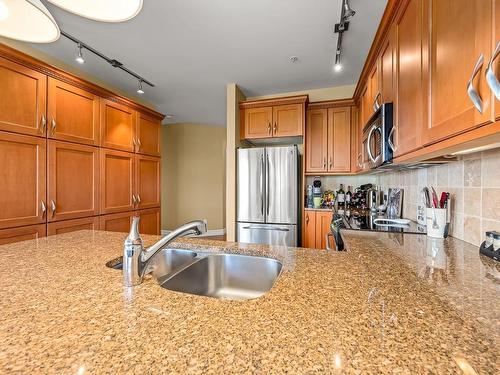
x,y
365,109
22,180
496,64
256,122
120,222
60,227
117,126
148,135
309,234
374,91
150,221
147,181
339,139
323,221
31,232
117,181
387,73
453,54
316,140
409,93
22,99
288,120
72,113
73,180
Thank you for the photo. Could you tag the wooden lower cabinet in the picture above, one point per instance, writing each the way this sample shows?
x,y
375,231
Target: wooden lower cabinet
x,y
60,227
150,221
22,180
31,232
316,227
120,222
73,181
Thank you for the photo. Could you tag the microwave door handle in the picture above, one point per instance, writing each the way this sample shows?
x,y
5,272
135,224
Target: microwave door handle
x,y
368,143
390,139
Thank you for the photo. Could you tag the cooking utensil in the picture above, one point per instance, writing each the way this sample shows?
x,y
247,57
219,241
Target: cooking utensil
x,y
447,205
442,201
427,196
434,197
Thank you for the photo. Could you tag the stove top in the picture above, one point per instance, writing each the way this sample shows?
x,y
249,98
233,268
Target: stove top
x,y
364,220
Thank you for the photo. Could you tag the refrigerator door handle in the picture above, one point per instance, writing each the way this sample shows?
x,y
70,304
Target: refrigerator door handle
x,y
267,182
262,184
267,228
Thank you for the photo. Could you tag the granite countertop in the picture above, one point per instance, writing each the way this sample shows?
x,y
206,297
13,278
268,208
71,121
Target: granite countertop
x,y
391,303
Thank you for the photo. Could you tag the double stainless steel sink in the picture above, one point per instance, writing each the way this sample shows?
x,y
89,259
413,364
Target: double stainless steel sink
x,y
225,276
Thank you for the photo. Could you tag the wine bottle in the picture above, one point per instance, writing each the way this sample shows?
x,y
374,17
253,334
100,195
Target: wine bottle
x,y
341,196
348,197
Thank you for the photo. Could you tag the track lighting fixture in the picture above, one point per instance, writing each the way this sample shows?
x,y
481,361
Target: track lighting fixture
x,y
338,64
140,90
79,59
346,13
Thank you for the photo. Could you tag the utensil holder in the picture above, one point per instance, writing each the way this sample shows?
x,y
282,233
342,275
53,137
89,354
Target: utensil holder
x,y
436,231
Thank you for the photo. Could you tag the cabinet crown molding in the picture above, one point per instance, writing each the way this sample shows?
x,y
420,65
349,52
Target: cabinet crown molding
x,y
298,99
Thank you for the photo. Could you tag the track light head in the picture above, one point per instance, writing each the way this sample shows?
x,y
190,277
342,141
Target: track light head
x,y
338,64
139,89
348,11
79,59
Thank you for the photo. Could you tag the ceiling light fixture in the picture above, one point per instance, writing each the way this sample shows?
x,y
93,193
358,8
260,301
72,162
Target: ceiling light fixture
x,y
28,21
102,10
140,90
346,13
79,59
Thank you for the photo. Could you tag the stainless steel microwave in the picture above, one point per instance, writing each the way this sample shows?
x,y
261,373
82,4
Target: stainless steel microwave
x,y
378,137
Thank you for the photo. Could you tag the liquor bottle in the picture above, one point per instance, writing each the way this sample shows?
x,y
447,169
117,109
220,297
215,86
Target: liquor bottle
x,y
348,197
341,196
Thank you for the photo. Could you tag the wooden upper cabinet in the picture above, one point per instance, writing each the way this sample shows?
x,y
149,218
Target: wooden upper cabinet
x,y
496,63
409,92
118,124
365,107
73,180
147,181
117,181
120,222
150,221
323,221
374,91
22,99
72,114
148,135
339,139
387,69
31,232
256,123
60,227
309,233
288,120
316,140
456,33
22,180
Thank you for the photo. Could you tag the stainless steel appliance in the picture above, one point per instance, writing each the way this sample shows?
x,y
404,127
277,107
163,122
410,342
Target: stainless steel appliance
x,y
268,195
378,137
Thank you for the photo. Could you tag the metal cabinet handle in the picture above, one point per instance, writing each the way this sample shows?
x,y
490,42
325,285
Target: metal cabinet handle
x,y
134,199
307,218
327,238
138,198
491,78
359,160
390,139
330,162
53,207
138,144
324,162
43,208
269,127
43,122
275,127
471,91
376,104
53,128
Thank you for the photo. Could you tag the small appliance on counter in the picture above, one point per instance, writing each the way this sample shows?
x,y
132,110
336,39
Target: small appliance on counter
x,y
310,196
491,247
317,194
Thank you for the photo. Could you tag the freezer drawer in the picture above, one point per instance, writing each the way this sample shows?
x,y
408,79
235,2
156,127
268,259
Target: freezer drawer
x,y
269,234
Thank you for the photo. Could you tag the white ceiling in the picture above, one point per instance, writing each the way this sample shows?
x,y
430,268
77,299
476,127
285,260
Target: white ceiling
x,y
190,49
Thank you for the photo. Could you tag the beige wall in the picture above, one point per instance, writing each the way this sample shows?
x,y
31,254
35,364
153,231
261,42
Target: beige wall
x,y
193,160
317,95
37,54
234,96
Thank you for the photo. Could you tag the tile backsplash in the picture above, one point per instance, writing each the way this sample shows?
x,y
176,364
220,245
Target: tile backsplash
x,y
473,181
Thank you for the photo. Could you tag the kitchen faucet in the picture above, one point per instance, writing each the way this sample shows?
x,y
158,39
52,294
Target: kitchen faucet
x,y
136,259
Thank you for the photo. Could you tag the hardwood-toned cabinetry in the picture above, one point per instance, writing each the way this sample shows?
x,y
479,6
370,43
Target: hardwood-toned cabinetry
x,y
457,42
495,64
118,124
117,181
147,181
272,118
148,135
22,99
23,198
374,90
150,221
31,232
60,227
72,113
328,140
73,180
316,227
120,222
387,65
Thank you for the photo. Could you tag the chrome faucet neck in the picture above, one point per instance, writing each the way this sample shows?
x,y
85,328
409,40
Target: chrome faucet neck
x,y
136,259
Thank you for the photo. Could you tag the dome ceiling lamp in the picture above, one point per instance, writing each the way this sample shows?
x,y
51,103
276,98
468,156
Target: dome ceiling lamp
x,y
102,10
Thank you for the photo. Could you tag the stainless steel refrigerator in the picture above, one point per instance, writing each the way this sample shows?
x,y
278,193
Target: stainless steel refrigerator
x,y
267,195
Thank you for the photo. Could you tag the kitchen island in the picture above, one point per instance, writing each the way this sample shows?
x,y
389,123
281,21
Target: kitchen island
x,y
390,303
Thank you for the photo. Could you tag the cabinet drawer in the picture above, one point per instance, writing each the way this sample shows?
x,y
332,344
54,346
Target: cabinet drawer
x,y
18,234
60,227
120,222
